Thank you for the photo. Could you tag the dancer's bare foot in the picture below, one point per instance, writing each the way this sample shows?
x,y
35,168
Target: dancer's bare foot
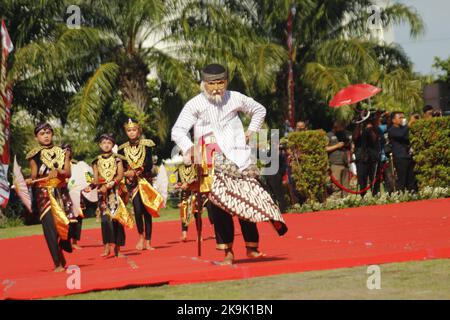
x,y
106,251
184,236
117,252
59,269
140,244
76,246
148,245
254,253
229,257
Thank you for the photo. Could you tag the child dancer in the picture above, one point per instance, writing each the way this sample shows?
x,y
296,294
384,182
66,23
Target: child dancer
x,y
50,167
108,173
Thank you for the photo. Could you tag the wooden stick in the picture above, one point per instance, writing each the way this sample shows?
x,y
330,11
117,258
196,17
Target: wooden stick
x,y
199,212
39,180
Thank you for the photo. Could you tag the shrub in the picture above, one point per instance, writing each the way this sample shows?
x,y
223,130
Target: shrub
x,y
352,201
430,141
11,222
309,162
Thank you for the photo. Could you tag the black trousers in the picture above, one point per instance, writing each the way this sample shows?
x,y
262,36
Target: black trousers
x,y
112,231
75,229
55,245
405,174
142,217
185,228
389,179
366,174
224,229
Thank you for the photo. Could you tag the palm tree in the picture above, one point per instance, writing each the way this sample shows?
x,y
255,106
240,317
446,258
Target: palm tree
x,y
333,50
122,43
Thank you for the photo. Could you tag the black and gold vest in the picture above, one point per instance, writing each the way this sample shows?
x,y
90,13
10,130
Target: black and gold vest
x,y
107,166
138,155
47,158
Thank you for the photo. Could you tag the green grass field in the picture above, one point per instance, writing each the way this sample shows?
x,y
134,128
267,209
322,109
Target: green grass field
x,y
410,280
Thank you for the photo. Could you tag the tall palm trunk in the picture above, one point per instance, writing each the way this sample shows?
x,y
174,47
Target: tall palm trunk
x,y
133,83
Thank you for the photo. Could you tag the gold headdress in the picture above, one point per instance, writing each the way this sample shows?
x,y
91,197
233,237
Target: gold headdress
x,y
131,124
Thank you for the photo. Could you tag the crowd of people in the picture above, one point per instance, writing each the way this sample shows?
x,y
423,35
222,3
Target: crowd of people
x,y
371,153
380,148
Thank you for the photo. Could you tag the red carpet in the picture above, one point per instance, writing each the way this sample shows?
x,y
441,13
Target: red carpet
x,y
315,241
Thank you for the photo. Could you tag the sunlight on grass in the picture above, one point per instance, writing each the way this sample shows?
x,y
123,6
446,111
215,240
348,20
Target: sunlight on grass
x,y
409,280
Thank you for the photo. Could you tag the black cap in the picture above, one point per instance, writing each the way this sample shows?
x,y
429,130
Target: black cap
x,y
213,72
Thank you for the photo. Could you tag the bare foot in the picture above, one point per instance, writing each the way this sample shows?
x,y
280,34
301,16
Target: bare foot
x,y
148,246
255,254
184,236
75,246
228,261
59,269
140,244
106,251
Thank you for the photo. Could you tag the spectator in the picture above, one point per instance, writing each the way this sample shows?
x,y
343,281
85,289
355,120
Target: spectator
x,y
366,138
401,151
338,154
428,112
382,121
300,126
287,128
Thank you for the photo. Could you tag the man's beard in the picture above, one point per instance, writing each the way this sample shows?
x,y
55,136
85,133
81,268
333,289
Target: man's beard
x,y
213,98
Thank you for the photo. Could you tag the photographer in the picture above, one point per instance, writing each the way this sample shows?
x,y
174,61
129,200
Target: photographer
x,y
338,154
429,112
401,151
385,166
366,138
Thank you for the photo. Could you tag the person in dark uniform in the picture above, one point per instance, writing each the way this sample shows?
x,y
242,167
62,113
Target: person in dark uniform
x,y
401,151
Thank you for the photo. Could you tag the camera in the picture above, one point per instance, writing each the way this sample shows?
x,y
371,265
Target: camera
x,y
437,114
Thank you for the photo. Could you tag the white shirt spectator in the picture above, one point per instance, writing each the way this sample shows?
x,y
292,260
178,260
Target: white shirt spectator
x,y
222,121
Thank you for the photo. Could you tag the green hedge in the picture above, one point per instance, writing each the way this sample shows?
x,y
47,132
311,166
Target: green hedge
x,y
430,141
309,163
354,201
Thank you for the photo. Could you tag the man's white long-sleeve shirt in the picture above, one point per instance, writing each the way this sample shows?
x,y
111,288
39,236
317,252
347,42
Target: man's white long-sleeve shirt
x,y
222,121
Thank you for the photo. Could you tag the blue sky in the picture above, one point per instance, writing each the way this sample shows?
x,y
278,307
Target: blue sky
x,y
435,42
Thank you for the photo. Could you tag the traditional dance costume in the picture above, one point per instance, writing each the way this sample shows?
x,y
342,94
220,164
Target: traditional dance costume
x,y
114,215
236,189
146,201
52,202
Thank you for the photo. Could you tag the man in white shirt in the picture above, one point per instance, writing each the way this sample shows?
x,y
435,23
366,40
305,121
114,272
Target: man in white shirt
x,y
235,191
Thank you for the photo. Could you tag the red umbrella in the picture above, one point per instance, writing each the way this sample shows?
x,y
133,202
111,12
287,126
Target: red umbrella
x,y
353,94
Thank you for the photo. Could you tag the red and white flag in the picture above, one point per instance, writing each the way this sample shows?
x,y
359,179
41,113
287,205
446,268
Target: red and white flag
x,y
6,40
5,112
